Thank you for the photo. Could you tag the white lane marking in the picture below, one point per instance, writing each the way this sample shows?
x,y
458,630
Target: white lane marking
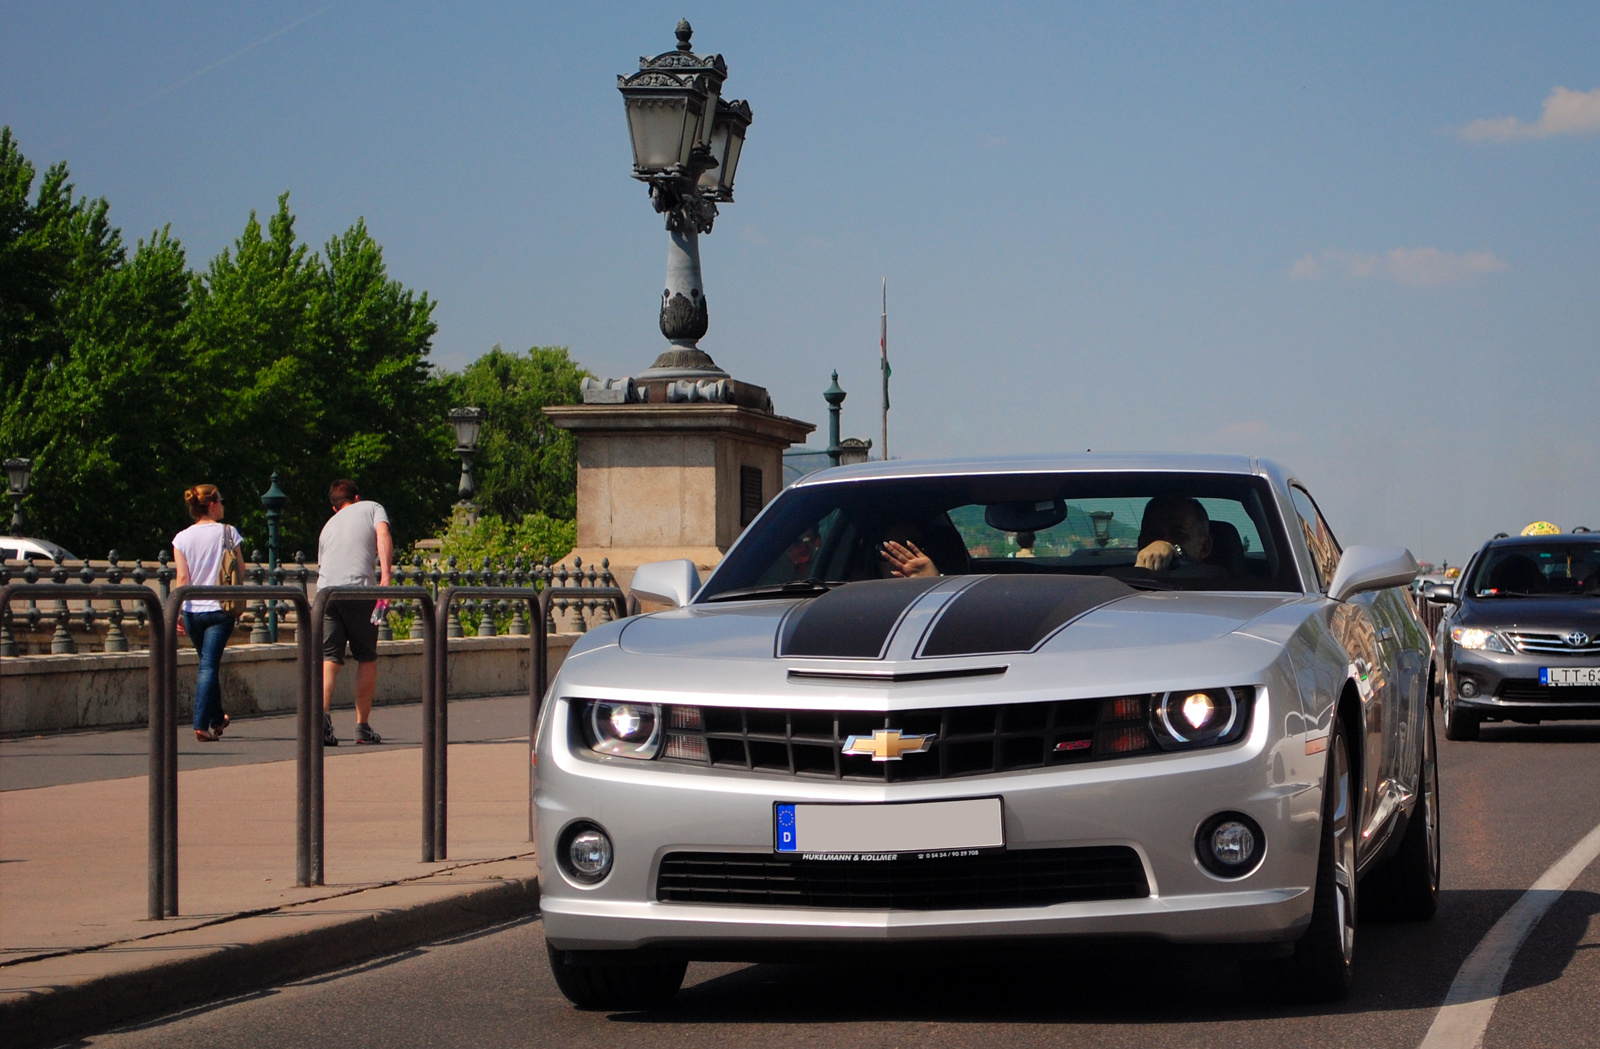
x,y
1464,1017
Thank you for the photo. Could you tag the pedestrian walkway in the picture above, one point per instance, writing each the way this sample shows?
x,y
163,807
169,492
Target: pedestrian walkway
x,y
74,943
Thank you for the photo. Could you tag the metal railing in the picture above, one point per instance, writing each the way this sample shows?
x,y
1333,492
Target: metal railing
x,y
609,602
167,654
309,850
162,845
67,625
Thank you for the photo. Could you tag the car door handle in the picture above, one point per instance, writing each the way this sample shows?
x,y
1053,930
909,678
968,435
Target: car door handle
x,y
1385,634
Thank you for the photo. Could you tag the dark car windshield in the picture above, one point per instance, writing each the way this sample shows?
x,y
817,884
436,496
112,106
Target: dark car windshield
x,y
1080,524
1548,569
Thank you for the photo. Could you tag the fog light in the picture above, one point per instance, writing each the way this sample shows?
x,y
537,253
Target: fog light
x,y
1468,688
1230,844
585,853
1233,844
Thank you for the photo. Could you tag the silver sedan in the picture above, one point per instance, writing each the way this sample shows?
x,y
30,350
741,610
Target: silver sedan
x,y
1032,699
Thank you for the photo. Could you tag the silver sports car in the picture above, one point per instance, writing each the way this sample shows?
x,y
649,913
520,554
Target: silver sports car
x,y
1018,699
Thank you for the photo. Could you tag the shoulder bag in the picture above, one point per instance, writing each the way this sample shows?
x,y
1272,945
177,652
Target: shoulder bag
x,y
230,573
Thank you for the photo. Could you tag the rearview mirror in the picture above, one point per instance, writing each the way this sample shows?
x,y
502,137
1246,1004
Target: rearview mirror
x,y
1030,516
1366,568
666,582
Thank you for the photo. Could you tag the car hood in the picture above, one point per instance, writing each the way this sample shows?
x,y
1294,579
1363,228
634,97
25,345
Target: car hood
x,y
1552,613
930,622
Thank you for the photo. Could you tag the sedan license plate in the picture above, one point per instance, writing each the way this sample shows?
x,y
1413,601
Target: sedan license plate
x,y
852,831
1569,675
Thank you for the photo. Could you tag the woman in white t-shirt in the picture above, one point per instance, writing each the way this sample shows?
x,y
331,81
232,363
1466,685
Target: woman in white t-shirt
x,y
198,550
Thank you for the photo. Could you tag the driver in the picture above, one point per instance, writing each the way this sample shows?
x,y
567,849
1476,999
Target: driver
x,y
1175,530
901,557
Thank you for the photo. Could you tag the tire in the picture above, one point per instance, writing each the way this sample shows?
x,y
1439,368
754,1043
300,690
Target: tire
x,y
1324,956
615,979
1407,886
1458,725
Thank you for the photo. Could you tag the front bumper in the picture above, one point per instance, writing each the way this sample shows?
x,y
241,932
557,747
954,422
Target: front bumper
x,y
1507,686
1151,804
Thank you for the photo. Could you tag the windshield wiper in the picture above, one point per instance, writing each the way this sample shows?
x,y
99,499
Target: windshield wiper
x,y
793,588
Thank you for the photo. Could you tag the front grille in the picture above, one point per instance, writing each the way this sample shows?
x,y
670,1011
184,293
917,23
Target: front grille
x,y
967,740
1026,877
1525,641
1526,692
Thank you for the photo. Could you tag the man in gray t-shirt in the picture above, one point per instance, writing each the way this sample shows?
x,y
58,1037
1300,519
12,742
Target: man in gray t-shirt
x,y
355,537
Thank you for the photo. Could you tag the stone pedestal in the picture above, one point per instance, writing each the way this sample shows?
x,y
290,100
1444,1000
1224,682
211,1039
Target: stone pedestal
x,y
659,481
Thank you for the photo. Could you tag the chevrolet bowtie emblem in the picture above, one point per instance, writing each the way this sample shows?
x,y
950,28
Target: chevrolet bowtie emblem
x,y
888,744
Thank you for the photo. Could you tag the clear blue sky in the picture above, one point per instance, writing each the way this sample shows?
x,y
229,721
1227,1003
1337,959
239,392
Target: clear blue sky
x,y
1360,238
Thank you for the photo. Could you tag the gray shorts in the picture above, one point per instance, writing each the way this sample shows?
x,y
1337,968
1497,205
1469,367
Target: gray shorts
x,y
350,621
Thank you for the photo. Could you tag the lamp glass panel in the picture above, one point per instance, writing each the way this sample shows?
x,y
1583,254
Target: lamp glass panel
x,y
467,427
17,471
711,180
695,109
730,162
657,125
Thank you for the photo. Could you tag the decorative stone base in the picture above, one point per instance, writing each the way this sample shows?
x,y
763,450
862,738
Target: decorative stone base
x,y
663,481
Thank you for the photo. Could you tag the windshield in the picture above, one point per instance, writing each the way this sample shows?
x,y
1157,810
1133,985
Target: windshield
x,y
1191,531
1552,569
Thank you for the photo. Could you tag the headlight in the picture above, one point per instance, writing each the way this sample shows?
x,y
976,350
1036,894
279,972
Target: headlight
x,y
1478,638
628,730
1203,717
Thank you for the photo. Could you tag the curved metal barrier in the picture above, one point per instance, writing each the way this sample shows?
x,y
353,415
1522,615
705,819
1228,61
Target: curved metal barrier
x,y
309,853
162,861
304,663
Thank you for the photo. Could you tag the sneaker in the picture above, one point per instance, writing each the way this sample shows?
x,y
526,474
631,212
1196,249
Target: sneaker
x,y
328,738
364,734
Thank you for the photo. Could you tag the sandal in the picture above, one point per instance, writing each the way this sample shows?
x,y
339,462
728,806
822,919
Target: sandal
x,y
216,729
205,735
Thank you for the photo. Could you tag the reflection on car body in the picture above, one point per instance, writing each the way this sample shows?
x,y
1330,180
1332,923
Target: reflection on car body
x,y
1231,747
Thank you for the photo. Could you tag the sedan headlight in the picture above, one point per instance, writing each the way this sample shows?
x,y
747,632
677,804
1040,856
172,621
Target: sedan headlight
x,y
1478,638
1204,717
627,730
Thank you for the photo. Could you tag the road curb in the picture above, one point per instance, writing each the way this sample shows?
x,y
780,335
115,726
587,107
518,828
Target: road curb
x,y
51,1013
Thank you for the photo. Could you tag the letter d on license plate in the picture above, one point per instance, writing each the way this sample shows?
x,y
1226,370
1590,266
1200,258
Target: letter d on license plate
x,y
923,826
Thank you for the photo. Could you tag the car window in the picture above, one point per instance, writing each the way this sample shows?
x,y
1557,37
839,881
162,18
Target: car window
x,y
1083,524
1542,569
1325,551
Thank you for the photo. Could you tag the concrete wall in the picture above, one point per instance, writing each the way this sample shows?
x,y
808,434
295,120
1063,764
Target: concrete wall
x,y
105,690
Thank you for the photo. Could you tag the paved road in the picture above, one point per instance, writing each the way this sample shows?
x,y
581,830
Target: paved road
x,y
1514,804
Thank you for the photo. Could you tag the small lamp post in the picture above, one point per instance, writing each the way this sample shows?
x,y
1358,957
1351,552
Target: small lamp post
x,y
273,499
18,472
468,423
686,146
835,397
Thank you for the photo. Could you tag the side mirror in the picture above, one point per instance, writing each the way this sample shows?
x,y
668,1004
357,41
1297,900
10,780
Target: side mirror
x,y
1364,568
666,582
1439,594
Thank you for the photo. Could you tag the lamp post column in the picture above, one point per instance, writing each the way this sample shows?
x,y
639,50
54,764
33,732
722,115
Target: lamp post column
x,y
273,499
835,396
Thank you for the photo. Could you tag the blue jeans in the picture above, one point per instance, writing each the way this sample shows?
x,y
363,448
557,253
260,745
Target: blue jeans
x,y
209,631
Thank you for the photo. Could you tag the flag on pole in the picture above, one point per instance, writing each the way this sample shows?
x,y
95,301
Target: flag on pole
x,y
883,349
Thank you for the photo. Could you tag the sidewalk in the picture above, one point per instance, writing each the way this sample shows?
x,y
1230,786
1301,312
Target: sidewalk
x,y
76,952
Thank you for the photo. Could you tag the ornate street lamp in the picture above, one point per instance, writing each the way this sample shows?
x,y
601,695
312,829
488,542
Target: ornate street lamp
x,y
686,147
468,422
1101,520
18,471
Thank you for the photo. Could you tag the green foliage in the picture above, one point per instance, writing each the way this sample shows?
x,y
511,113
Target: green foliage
x,y
524,464
128,378
533,538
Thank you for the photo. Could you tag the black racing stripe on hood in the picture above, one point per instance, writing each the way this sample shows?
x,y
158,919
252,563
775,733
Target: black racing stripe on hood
x,y
852,622
1013,613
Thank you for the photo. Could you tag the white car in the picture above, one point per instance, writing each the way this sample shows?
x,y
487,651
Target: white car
x,y
1188,715
17,548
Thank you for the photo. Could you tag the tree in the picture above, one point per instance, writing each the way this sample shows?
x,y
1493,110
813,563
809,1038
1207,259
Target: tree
x,y
524,464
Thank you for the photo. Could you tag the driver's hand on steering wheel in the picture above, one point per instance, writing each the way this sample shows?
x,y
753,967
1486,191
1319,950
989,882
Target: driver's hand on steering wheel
x,y
1159,556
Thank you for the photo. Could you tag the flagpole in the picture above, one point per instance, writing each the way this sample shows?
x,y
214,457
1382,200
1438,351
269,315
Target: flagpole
x,y
883,348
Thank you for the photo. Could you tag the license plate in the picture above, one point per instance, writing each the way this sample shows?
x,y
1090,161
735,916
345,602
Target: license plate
x,y
859,831
1569,675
